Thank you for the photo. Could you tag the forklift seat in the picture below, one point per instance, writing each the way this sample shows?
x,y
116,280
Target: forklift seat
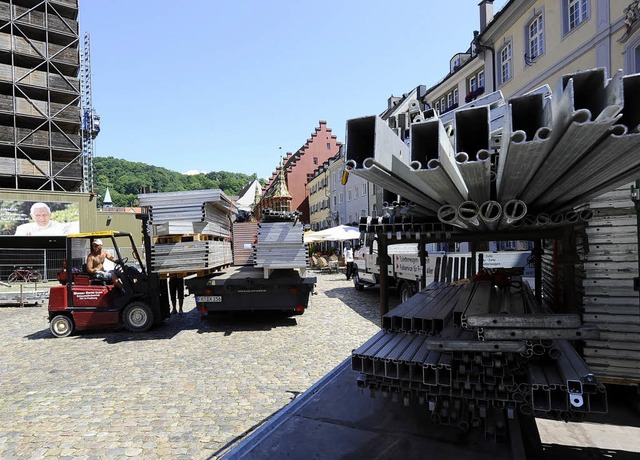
x,y
77,277
91,277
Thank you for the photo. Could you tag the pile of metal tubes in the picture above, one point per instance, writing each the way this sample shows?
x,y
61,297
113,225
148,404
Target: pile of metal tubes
x,y
556,151
475,354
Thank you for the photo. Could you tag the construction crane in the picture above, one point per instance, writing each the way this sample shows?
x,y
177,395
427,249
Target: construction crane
x,y
90,120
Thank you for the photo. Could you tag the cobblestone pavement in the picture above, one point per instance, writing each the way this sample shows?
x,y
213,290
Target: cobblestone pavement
x,y
189,389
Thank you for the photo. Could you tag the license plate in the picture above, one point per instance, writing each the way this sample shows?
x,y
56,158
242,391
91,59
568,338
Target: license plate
x,y
209,298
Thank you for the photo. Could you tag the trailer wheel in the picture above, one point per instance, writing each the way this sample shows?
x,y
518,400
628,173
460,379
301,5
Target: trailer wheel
x,y
406,292
137,317
356,281
61,326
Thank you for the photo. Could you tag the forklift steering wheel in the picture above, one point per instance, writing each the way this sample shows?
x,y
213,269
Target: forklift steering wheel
x,y
122,262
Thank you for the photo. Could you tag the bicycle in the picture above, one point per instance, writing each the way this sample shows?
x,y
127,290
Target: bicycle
x,y
23,274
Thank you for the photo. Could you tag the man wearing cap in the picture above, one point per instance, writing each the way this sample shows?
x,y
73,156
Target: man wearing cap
x,y
95,264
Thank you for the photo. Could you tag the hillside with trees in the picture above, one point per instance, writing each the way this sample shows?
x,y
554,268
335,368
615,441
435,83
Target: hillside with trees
x,y
126,179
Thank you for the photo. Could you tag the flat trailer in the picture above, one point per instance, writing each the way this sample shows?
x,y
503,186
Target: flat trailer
x,y
24,297
332,420
247,288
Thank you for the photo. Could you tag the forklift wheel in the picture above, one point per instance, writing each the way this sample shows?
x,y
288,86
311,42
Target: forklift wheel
x,y
137,317
61,326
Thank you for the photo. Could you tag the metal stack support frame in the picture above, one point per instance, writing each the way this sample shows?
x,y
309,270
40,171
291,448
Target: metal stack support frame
x,y
475,358
478,357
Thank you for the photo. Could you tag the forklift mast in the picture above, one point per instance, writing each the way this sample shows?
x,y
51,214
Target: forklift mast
x,y
158,291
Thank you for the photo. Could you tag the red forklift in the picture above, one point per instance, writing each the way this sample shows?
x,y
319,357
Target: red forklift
x,y
83,302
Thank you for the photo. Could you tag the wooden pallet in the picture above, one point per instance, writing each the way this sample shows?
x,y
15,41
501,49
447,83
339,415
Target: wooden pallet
x,y
618,380
182,238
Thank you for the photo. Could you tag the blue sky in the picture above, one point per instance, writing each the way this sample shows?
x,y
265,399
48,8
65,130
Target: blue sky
x,y
216,85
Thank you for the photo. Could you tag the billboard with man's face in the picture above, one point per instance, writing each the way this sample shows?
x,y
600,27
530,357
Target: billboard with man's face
x,y
37,218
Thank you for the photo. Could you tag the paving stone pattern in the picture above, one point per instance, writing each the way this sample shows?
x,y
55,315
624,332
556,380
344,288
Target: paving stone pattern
x,y
187,390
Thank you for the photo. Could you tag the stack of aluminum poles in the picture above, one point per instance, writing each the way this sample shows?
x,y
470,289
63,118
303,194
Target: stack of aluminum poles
x,y
424,355
400,226
558,151
280,242
511,313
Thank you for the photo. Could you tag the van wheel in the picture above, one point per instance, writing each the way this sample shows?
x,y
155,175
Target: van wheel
x,y
137,317
406,292
61,326
356,281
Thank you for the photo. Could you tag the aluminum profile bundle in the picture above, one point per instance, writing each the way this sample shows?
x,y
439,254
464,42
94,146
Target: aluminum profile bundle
x,y
583,109
611,163
496,103
377,154
460,375
472,143
512,312
434,164
270,215
486,216
556,219
401,225
558,151
425,313
409,366
525,144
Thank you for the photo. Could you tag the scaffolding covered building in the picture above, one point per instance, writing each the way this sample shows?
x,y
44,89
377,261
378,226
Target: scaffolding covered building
x,y
40,96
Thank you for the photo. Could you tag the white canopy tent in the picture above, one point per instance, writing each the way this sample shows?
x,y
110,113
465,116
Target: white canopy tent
x,y
311,237
339,233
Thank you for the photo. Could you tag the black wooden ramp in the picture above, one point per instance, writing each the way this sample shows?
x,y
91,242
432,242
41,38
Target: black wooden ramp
x,y
334,420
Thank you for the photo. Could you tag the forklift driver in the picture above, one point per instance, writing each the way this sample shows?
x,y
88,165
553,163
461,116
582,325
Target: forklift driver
x,y
95,264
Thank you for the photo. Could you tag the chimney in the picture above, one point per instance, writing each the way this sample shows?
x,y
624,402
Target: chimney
x,y
486,13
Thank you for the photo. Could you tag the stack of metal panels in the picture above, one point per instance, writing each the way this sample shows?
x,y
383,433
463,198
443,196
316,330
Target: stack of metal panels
x,y
189,212
610,301
180,227
280,245
467,379
191,256
185,225
245,235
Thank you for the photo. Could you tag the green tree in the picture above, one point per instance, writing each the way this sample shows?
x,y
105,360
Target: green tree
x,y
126,179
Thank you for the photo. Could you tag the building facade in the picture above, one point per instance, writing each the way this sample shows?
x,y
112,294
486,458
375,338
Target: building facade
x,y
321,146
343,200
319,196
530,43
